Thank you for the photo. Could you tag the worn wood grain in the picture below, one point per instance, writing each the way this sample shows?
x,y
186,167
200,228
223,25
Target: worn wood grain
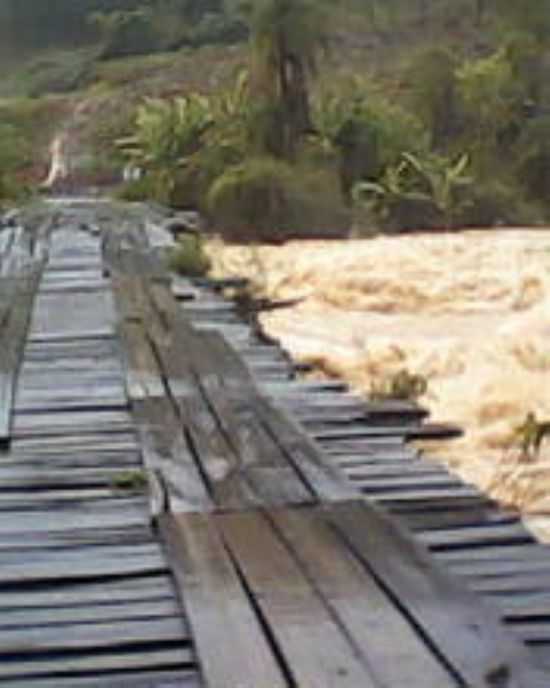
x,y
231,643
465,631
316,649
386,639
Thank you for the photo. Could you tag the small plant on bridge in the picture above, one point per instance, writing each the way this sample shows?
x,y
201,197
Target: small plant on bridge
x,y
402,385
530,435
189,258
130,481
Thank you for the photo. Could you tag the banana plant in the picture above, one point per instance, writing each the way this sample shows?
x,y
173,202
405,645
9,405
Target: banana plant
x,y
530,435
167,134
392,189
431,180
443,179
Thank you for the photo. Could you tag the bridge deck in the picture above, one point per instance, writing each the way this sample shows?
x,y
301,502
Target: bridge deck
x,y
251,559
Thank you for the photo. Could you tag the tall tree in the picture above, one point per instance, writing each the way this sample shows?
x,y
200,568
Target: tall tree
x,y
287,38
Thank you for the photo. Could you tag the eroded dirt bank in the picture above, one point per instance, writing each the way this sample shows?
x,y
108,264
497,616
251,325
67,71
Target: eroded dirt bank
x,y
470,312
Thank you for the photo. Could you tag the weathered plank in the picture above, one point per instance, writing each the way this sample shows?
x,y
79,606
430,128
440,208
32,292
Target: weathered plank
x,y
321,477
170,678
386,639
48,618
315,647
66,593
231,643
70,666
466,632
165,452
75,636
12,337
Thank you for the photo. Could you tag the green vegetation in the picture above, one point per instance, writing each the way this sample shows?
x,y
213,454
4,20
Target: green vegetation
x,y
530,436
130,481
294,117
403,385
26,125
189,258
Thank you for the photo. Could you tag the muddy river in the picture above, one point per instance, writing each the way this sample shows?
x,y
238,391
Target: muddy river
x,y
469,312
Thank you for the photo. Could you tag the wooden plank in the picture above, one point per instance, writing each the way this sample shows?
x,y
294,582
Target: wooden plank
x,y
230,640
529,607
210,445
466,631
212,452
69,520
532,632
262,463
391,497
510,584
459,518
80,568
49,617
432,431
478,536
385,638
143,376
372,486
317,650
12,337
66,594
541,653
70,666
319,474
165,451
180,678
96,636
47,423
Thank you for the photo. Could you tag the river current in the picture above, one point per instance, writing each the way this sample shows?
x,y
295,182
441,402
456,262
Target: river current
x,y
470,312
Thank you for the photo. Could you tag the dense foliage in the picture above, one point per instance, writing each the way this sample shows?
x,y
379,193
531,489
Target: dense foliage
x,y
125,26
403,113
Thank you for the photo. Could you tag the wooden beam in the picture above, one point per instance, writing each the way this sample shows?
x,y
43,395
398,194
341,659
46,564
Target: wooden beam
x,y
230,639
467,633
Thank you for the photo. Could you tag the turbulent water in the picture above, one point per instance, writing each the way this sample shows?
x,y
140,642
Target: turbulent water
x,y
469,312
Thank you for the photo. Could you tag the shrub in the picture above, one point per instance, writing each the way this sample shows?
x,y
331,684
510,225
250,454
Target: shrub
x,y
534,159
403,385
130,481
125,32
434,94
369,132
135,191
216,27
491,97
166,135
267,199
253,198
495,202
420,191
189,258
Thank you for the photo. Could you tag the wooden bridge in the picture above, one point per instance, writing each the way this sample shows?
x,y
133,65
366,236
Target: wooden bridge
x,y
179,509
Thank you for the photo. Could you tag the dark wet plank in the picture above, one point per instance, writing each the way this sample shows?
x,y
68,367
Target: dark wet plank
x,y
167,454
386,639
112,679
70,593
48,618
75,666
314,645
465,631
232,647
13,332
75,636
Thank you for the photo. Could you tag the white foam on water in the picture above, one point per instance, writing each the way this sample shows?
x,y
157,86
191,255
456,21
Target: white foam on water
x,y
469,311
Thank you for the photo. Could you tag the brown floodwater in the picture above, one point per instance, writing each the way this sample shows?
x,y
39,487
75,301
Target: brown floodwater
x,y
468,311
